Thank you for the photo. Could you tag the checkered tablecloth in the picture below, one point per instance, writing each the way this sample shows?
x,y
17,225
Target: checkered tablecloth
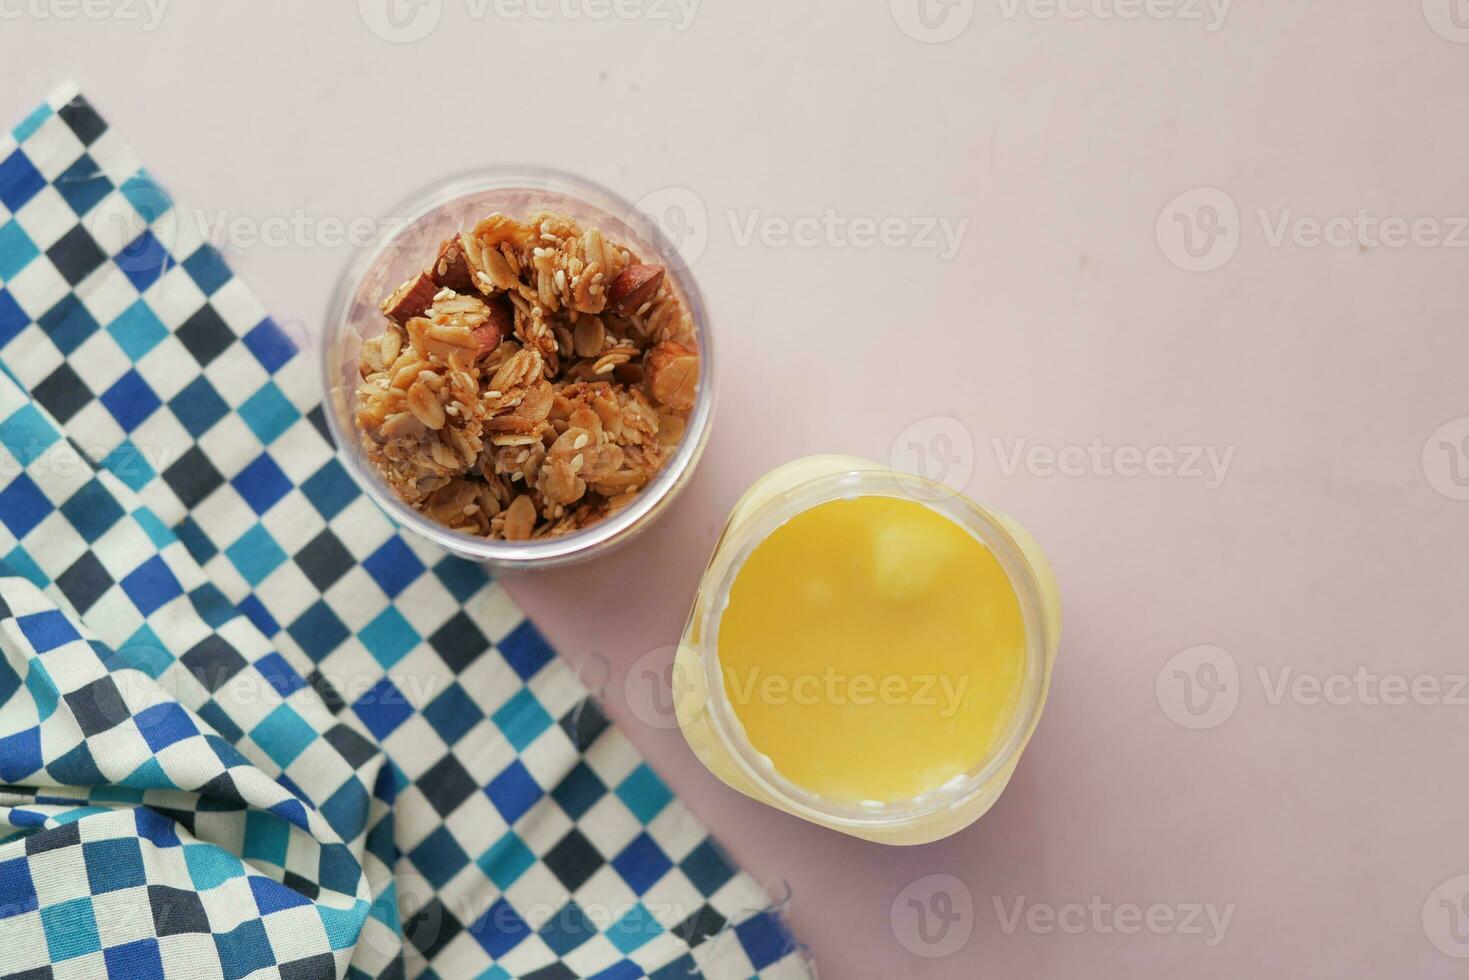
x,y
246,728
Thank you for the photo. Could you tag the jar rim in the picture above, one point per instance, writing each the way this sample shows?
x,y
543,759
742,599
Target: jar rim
x,y
403,219
741,540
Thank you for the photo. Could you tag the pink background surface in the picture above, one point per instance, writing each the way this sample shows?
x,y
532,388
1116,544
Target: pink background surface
x,y
1059,321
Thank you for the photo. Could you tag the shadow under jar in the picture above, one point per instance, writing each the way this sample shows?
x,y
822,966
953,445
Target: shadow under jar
x,y
417,228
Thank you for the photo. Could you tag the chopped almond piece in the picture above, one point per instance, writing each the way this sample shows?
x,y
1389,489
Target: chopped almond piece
x,y
411,299
673,375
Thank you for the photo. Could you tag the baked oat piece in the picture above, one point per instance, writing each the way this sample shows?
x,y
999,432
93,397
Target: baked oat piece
x,y
531,382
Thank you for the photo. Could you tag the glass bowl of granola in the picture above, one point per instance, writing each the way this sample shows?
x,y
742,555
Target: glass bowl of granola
x,y
518,368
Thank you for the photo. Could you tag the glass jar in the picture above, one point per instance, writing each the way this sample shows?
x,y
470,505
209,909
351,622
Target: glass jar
x,y
707,716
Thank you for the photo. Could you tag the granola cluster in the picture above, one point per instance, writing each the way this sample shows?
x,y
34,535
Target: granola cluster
x,y
530,382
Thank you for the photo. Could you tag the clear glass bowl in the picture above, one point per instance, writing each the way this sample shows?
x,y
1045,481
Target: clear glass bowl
x,y
416,228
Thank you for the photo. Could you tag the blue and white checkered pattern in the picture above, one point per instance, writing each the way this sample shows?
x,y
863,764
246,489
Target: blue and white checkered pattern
x,y
246,729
